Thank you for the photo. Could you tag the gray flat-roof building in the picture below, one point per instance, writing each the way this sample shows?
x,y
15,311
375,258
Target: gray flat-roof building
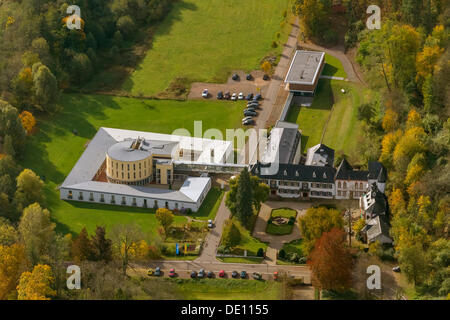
x,y
304,72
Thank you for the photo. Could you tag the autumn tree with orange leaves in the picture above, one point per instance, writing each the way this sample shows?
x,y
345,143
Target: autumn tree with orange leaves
x,y
28,121
331,262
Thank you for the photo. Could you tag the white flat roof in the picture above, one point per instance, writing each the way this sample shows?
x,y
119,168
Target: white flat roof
x,y
305,67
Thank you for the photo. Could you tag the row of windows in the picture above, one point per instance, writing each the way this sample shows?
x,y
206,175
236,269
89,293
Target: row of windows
x,y
359,185
128,174
321,193
321,185
128,166
123,200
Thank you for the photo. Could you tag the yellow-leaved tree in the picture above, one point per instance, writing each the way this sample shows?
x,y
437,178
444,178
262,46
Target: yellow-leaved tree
x,y
28,121
12,263
390,120
36,285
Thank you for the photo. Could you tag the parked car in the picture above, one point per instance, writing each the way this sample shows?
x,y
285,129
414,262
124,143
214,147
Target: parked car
x,y
250,109
227,95
210,274
275,275
172,273
235,274
396,269
205,93
249,122
256,276
257,97
150,272
241,96
249,77
194,274
157,272
249,96
246,118
221,273
234,97
210,223
250,113
265,77
235,77
220,95
253,102
243,274
201,274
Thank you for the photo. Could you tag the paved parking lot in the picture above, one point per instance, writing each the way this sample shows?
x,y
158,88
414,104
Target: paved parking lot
x,y
256,85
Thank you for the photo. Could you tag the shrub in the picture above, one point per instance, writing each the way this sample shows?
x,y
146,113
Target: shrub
x,y
294,257
302,260
274,44
282,254
291,221
260,252
330,36
221,249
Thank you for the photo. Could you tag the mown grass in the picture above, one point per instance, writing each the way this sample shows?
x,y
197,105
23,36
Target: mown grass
x,y
210,205
336,113
333,67
205,40
54,150
281,229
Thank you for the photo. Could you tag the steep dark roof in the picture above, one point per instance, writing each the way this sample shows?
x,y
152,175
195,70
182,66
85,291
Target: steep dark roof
x,y
380,227
296,172
375,169
379,206
346,172
382,175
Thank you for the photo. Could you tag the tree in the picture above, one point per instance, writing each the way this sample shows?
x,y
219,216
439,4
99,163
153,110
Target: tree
x,y
29,188
261,192
231,235
102,247
36,231
331,262
45,87
244,198
390,120
165,218
8,234
81,68
313,17
28,121
266,66
82,247
125,239
414,262
357,227
36,285
8,146
315,222
12,263
11,125
126,26
23,87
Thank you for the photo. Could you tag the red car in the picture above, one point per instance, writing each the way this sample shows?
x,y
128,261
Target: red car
x,y
221,273
275,275
172,273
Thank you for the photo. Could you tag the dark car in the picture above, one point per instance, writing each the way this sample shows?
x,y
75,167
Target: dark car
x,y
249,77
248,122
257,97
265,77
249,96
235,274
253,104
235,77
243,274
157,272
210,274
256,276
172,273
250,109
194,274
250,113
220,95
201,273
227,95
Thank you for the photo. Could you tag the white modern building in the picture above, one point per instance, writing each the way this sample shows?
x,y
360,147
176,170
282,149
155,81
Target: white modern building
x,y
141,169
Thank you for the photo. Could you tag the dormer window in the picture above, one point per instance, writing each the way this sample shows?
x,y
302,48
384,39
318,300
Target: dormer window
x,y
285,172
324,175
296,173
314,174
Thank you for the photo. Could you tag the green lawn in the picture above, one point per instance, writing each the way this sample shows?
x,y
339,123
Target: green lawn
x,y
295,246
333,67
248,242
229,289
53,151
210,205
240,260
204,40
281,229
343,129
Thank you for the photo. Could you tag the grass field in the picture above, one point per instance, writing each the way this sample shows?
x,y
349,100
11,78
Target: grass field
x,y
53,151
210,205
295,246
235,289
333,67
281,229
248,242
343,128
205,40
